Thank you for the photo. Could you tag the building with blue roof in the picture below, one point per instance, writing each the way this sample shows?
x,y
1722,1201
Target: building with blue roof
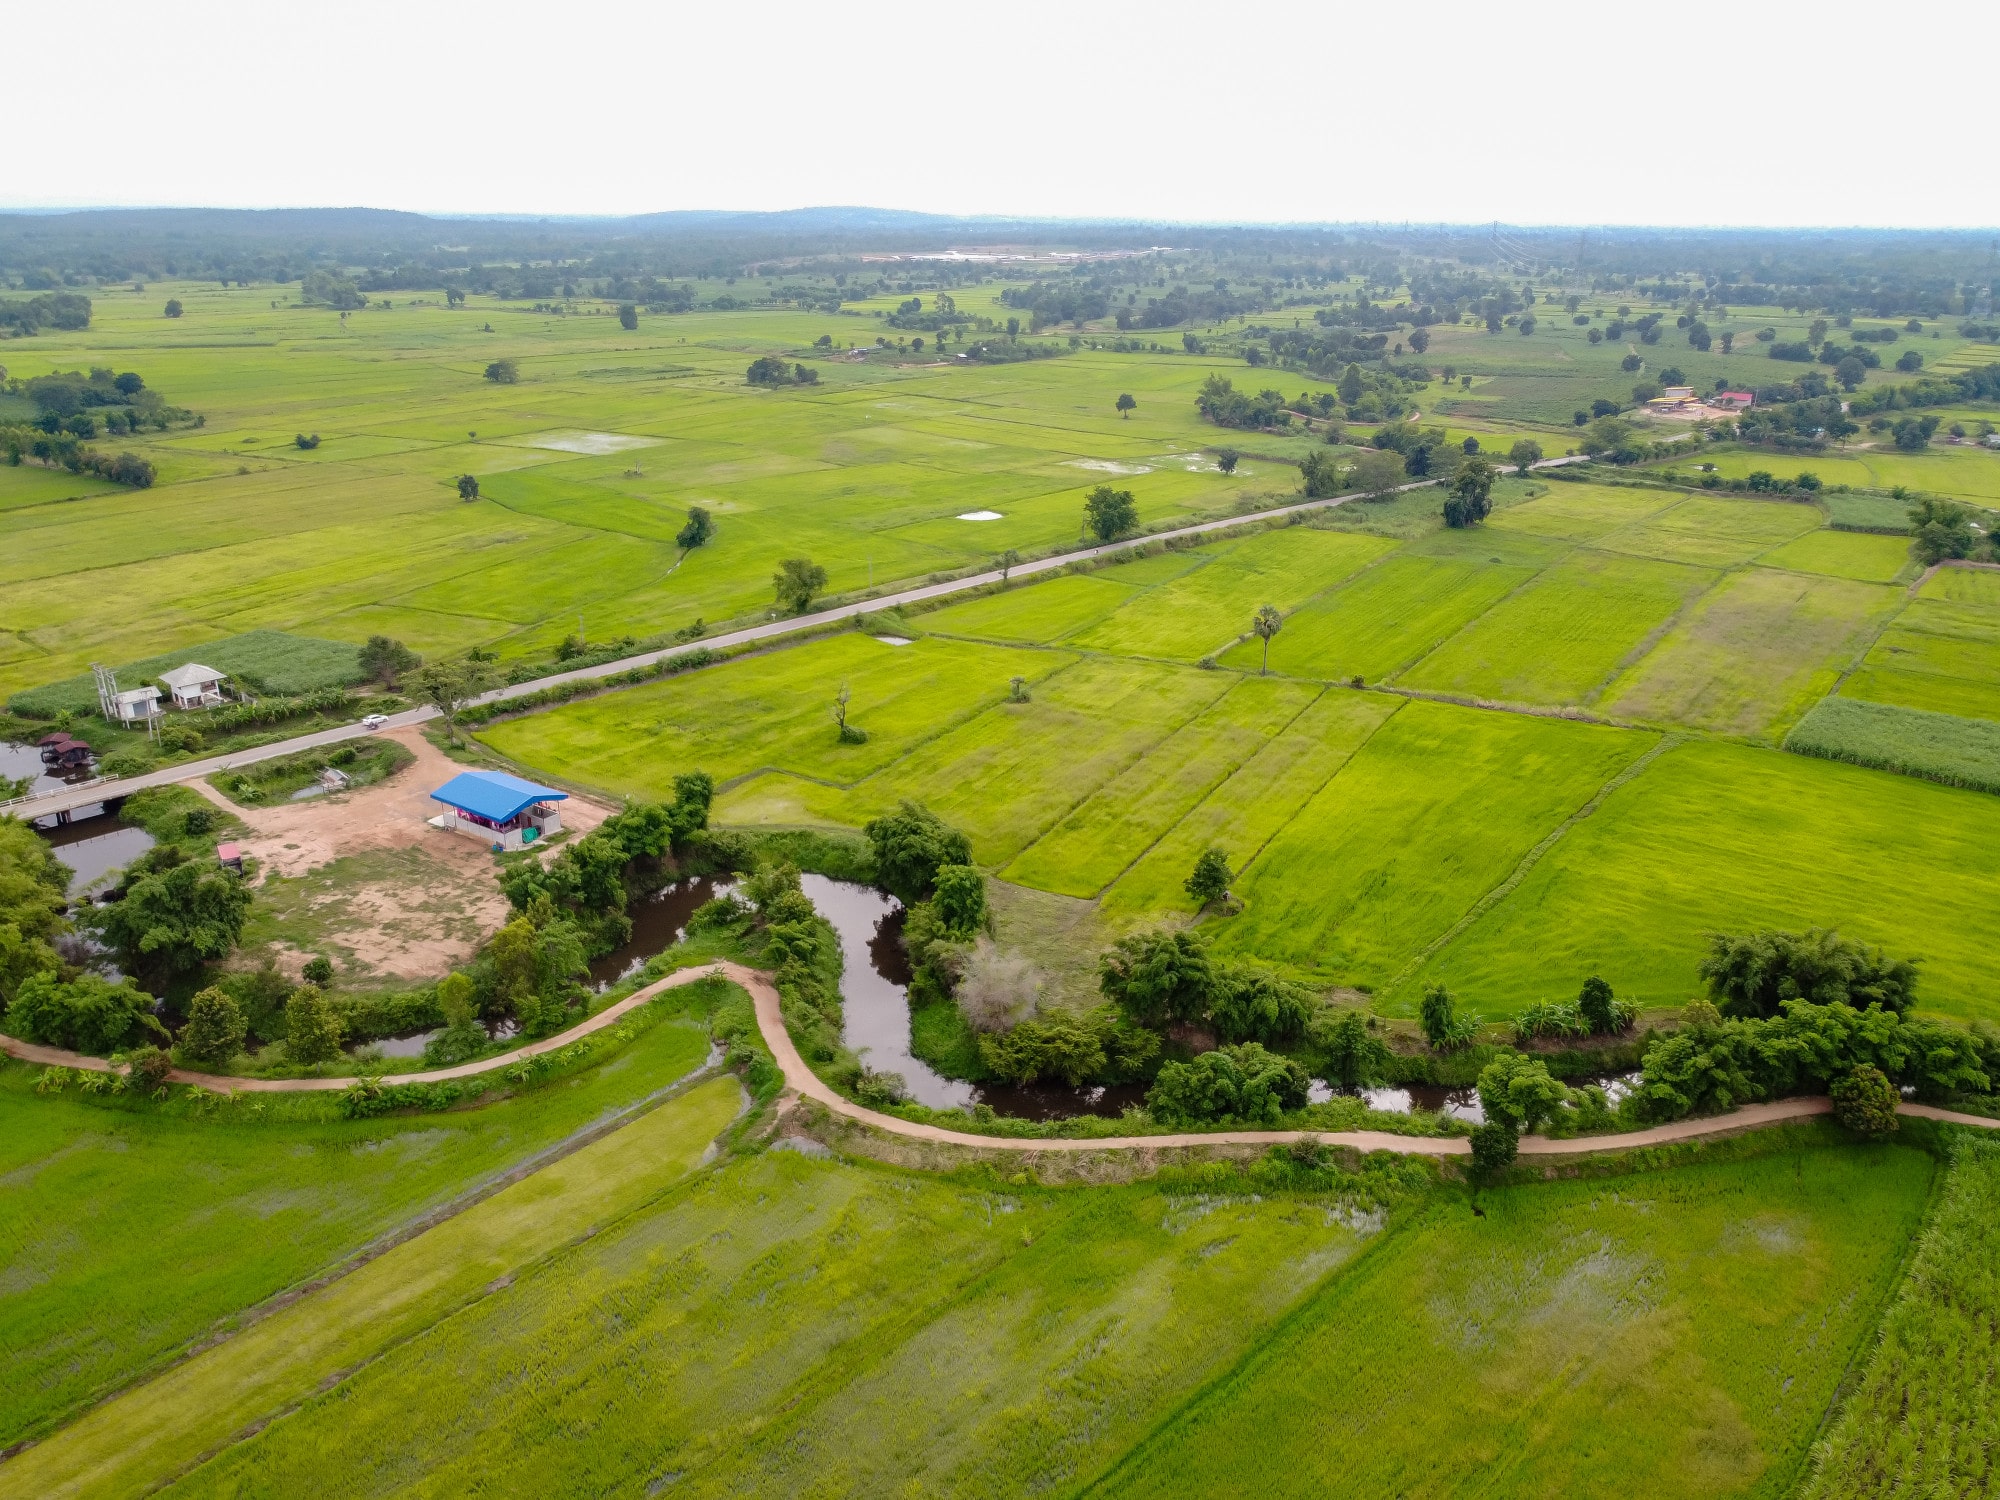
x,y
504,810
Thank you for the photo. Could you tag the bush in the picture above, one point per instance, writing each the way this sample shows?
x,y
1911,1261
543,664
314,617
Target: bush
x,y
1075,1049
1865,1102
87,1014
911,845
996,990
1352,1057
1444,1028
1712,1064
215,1029
1518,1093
1494,1148
148,1067
312,1028
1249,1003
1159,977
1243,1084
1754,974
318,970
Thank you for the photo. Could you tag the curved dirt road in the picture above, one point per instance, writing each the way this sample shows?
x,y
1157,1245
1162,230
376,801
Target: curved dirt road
x,y
803,1081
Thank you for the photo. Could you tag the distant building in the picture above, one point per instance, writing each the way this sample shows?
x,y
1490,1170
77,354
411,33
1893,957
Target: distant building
x,y
504,810
1733,400
194,686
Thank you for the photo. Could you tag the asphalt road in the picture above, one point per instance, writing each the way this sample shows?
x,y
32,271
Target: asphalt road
x,y
87,794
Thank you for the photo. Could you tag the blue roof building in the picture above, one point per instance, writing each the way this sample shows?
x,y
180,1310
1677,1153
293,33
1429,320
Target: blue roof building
x,y
505,810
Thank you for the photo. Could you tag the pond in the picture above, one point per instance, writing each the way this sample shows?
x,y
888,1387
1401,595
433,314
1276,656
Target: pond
x,y
1463,1103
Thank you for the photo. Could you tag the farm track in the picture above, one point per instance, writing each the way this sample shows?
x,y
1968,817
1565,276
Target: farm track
x,y
97,791
807,1084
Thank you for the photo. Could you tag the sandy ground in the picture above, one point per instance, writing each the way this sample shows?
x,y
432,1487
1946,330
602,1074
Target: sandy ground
x,y
440,900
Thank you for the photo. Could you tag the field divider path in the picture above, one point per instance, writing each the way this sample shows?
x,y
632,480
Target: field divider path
x,y
119,787
803,1081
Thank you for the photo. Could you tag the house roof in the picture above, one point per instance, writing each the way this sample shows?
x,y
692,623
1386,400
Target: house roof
x,y
194,674
493,795
134,695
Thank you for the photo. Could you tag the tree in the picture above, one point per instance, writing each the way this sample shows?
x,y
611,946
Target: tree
x,y
503,372
1443,1027
384,660
911,845
1470,497
1321,474
628,317
1352,1057
1225,459
449,685
312,1027
1009,561
1517,1092
1865,1102
215,1029
1913,434
468,486
1158,977
1524,455
173,920
1598,1007
960,900
1125,404
173,307
87,1014
1943,530
1420,340
850,734
318,970
797,580
699,528
454,296
129,384
1377,472
1267,623
1209,880
1109,514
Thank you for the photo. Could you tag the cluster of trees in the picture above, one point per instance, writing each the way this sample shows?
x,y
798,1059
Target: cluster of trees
x,y
1801,425
65,450
1167,977
1224,405
1058,301
1982,384
1943,530
329,288
769,370
67,311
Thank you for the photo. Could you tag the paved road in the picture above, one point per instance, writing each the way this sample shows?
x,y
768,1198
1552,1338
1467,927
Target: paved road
x,y
69,799
802,1080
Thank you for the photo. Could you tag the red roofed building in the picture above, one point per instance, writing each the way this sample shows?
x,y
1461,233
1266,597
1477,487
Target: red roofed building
x,y
1739,400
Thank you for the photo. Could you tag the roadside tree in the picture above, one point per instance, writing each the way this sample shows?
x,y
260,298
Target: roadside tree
x,y
796,582
1109,514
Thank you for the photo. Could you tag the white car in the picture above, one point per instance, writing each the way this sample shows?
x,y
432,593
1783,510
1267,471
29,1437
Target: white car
x,y
374,721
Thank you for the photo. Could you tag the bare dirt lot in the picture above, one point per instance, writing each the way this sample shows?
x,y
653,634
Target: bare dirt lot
x,y
362,877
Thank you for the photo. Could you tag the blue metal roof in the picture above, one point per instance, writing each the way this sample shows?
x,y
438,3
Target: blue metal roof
x,y
493,795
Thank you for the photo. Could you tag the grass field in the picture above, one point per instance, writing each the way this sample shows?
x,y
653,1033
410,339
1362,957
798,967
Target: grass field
x,y
106,1206
1923,1420
781,1324
1937,747
1679,1334
1716,837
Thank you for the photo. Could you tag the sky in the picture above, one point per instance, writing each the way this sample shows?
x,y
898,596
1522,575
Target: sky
x,y
1548,112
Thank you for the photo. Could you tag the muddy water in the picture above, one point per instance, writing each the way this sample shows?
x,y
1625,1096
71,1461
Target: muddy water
x,y
1463,1103
875,1004
658,923
94,847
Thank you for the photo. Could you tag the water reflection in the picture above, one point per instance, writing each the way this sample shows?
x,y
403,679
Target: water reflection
x,y
1459,1103
876,1004
658,922
18,761
94,847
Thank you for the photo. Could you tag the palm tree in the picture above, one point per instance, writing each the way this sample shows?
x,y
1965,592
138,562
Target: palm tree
x,y
1267,624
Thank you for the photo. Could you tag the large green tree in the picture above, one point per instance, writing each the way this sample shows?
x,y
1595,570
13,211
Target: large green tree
x,y
912,844
796,583
171,922
1110,514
